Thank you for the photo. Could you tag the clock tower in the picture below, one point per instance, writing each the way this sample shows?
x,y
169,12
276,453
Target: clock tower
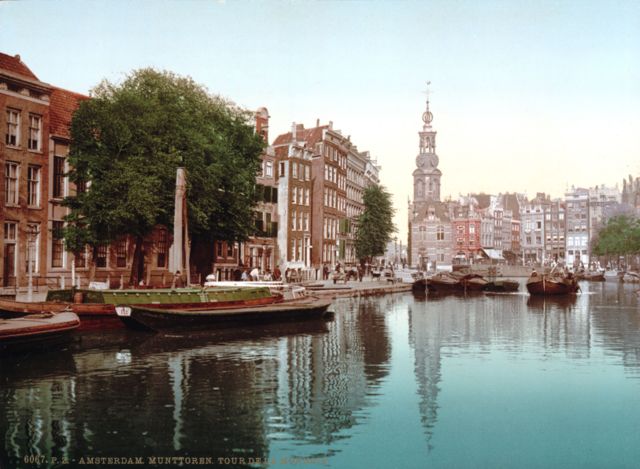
x,y
426,176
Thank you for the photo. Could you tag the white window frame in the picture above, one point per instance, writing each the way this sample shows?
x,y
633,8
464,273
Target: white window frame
x,y
13,128
34,180
11,194
35,133
269,169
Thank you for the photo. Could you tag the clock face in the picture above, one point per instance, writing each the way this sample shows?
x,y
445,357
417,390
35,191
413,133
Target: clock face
x,y
421,160
433,160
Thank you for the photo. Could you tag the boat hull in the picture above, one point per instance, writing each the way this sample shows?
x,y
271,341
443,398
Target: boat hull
x,y
502,286
541,285
25,333
159,318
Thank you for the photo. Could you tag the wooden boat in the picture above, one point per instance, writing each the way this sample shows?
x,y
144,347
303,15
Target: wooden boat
x,y
419,284
443,281
591,276
159,317
289,291
11,308
97,309
456,282
554,283
473,282
36,329
501,286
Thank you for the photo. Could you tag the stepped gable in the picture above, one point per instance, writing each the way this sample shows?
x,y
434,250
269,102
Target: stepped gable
x,y
13,64
62,106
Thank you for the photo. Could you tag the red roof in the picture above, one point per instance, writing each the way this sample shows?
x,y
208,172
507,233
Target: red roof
x,y
310,136
61,108
15,65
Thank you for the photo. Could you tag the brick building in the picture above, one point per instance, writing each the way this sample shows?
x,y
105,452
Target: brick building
x,y
24,154
293,159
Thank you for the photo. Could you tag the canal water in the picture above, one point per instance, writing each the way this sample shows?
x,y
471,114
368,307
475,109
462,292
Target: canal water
x,y
481,381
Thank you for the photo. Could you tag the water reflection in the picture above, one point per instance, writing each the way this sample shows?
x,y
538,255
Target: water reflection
x,y
306,389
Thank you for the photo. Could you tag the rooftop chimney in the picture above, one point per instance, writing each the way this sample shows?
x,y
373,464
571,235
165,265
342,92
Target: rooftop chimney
x,y
293,132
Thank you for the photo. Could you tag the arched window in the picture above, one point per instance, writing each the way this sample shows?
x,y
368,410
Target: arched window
x,y
440,233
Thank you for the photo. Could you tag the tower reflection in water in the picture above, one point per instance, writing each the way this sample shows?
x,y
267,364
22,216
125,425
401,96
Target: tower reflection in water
x,y
304,389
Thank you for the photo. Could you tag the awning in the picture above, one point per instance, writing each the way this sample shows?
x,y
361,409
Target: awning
x,y
493,254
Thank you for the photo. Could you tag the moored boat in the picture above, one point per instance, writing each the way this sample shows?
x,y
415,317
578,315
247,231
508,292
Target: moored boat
x,y
96,308
36,329
501,286
289,291
419,284
591,276
443,281
456,282
554,283
159,317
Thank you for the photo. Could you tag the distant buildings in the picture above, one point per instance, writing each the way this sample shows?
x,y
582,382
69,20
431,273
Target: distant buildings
x,y
505,227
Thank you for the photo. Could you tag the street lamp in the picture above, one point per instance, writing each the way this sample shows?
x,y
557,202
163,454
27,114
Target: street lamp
x,y
32,234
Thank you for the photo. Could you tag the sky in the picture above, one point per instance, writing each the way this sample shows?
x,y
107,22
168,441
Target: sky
x,y
526,96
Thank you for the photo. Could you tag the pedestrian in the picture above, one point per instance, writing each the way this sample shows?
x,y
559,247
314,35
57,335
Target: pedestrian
x,y
325,272
245,275
360,272
255,274
277,275
177,280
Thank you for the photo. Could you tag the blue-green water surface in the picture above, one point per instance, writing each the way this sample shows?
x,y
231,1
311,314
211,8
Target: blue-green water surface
x,y
483,381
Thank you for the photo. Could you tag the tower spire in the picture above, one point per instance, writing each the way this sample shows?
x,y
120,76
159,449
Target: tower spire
x,y
427,116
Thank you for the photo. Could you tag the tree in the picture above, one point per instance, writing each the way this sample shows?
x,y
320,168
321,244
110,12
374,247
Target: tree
x,y
127,142
375,225
620,237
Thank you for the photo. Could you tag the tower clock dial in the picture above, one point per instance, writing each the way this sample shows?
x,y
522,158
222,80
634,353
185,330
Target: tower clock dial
x,y
421,161
433,160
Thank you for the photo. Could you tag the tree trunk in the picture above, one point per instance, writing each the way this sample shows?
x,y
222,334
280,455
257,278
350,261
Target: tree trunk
x,y
201,257
92,264
137,266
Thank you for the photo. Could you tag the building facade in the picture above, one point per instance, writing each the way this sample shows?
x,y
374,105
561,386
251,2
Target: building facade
x,y
293,160
24,155
577,227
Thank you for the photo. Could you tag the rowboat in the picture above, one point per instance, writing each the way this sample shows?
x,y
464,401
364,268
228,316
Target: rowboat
x,y
552,284
176,316
36,329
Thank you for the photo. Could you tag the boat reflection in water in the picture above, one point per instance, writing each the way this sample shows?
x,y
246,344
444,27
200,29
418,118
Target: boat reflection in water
x,y
431,379
552,303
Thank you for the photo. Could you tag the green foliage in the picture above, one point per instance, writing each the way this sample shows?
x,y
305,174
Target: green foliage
x,y
375,225
128,141
620,236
